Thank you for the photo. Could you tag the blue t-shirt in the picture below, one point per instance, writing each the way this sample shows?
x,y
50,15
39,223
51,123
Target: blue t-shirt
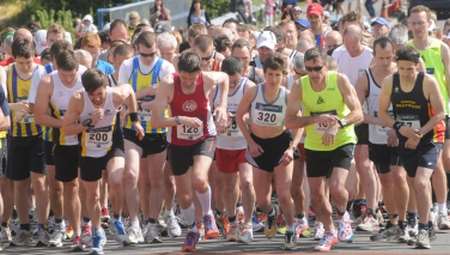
x,y
104,67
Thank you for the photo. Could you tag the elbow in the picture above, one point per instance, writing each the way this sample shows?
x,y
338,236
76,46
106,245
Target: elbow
x,y
290,123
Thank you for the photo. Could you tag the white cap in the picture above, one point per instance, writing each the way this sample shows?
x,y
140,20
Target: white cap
x,y
266,39
89,18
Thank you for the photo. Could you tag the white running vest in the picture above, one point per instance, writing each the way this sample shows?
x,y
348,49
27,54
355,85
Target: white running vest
x,y
97,140
232,138
263,113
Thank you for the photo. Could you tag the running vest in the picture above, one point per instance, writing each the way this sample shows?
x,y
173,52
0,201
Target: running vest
x,y
232,138
59,102
327,101
263,113
18,91
414,110
432,57
97,140
47,132
377,134
193,105
138,81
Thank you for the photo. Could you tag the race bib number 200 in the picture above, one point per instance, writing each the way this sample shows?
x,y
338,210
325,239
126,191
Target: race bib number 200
x,y
100,138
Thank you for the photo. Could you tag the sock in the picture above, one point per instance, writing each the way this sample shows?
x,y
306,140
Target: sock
x,y
151,221
423,226
135,222
86,220
25,226
442,207
300,216
58,221
205,200
188,214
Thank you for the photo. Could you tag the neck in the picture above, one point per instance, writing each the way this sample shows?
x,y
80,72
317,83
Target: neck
x,y
422,42
354,52
408,81
317,30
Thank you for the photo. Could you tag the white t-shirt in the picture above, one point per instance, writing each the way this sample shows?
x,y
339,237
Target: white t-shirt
x,y
3,81
126,68
35,80
352,66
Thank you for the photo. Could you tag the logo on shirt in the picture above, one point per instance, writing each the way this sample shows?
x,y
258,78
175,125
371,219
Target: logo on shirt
x,y
320,100
189,106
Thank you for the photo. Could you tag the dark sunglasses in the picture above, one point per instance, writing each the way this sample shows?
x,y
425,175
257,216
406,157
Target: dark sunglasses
x,y
314,68
147,55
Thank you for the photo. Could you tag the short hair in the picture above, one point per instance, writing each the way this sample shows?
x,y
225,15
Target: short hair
x,y
122,50
230,20
195,30
299,61
420,8
189,62
231,66
351,17
45,55
55,28
117,22
408,54
241,43
222,43
59,46
82,56
66,60
93,79
89,39
203,42
146,39
382,42
312,54
274,63
22,47
166,39
399,34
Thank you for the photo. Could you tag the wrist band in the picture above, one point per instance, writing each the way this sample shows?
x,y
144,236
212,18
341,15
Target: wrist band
x,y
134,116
397,125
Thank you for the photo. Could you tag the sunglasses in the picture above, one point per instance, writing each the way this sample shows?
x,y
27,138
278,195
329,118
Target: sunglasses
x,y
147,55
313,68
208,58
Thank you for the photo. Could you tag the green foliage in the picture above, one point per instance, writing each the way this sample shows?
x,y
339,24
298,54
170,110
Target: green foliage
x,y
47,17
216,8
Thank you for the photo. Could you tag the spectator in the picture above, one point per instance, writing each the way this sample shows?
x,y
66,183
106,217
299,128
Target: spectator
x,y
198,15
159,13
302,25
269,12
315,17
133,20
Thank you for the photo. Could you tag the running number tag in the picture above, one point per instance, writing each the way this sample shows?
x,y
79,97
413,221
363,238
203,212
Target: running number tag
x,y
321,128
233,130
410,121
269,115
99,138
28,118
145,116
189,133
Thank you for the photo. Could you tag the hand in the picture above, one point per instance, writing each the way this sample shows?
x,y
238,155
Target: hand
x,y
19,115
326,120
287,157
392,140
328,138
412,143
140,133
409,132
221,117
97,115
190,121
254,149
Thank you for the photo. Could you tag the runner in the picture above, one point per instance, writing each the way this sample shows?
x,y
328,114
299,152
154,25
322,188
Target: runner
x,y
192,140
330,108
419,123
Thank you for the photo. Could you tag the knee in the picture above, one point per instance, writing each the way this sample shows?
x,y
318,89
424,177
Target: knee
x,y
421,184
130,178
336,188
246,186
199,184
284,197
185,200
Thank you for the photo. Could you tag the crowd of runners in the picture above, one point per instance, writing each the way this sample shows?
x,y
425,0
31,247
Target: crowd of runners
x,y
306,129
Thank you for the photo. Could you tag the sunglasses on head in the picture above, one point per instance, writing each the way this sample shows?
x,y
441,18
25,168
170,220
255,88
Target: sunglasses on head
x,y
313,68
147,55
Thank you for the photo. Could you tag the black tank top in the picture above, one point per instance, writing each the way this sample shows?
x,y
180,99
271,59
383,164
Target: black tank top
x,y
414,109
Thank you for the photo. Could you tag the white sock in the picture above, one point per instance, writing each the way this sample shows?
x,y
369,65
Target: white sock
x,y
442,207
205,200
135,222
188,214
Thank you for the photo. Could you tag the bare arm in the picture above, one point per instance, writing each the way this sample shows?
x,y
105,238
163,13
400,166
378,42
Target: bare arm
x,y
384,101
293,119
351,100
42,116
446,59
362,89
161,102
71,125
243,110
437,104
218,79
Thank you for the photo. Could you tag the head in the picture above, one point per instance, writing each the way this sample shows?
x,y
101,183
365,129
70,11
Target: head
x,y
298,66
145,46
274,70
265,44
419,21
167,46
46,58
233,68
94,83
92,43
305,44
87,20
23,33
302,24
83,57
118,31
223,45
352,37
204,47
23,52
399,36
314,12
380,27
57,47
120,53
315,64
134,19
233,25
333,39
67,66
189,67
383,52
196,5
351,18
290,34
242,51
194,31
407,62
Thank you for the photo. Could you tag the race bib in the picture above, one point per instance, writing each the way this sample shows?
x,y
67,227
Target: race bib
x,y
145,116
321,128
28,118
269,115
410,121
189,133
233,130
99,138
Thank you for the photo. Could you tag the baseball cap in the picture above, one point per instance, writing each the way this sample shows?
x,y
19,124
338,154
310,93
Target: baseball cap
x,y
314,9
380,21
266,39
303,23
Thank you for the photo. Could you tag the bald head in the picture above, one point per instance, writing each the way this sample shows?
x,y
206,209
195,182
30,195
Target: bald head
x,y
23,33
333,39
353,32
